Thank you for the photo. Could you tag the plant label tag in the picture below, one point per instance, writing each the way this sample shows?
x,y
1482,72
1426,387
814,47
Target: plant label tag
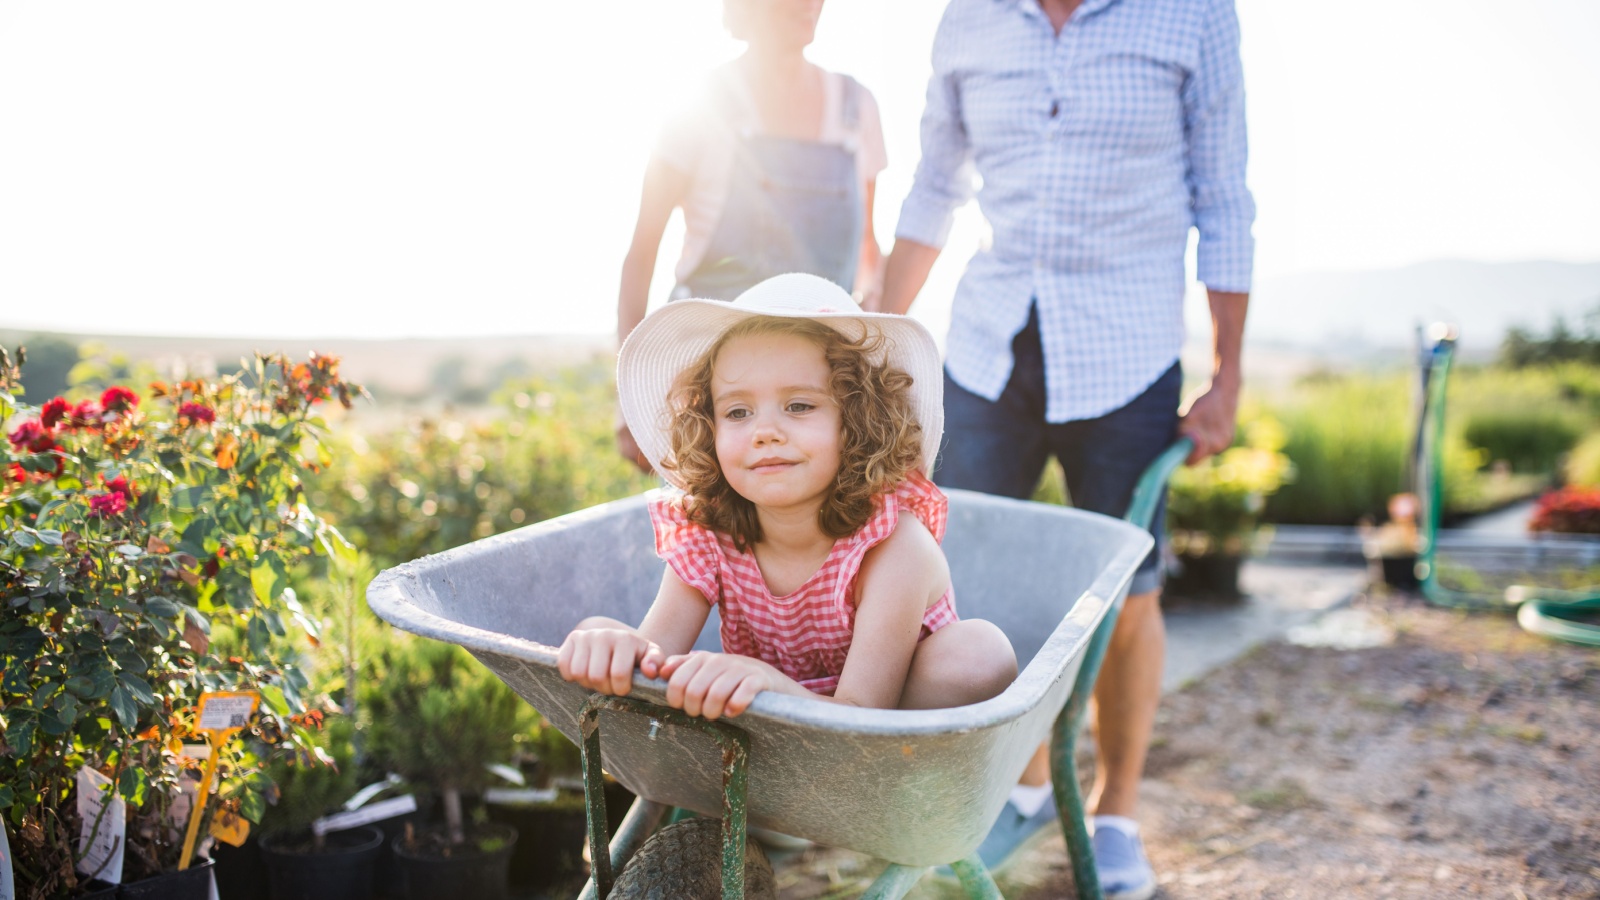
x,y
377,812
100,848
511,796
508,773
224,712
8,884
372,790
229,827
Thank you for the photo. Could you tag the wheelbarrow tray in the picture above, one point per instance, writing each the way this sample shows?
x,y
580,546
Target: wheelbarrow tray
x,y
915,787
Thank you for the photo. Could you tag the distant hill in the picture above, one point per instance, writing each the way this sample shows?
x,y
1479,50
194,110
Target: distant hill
x,y
1357,312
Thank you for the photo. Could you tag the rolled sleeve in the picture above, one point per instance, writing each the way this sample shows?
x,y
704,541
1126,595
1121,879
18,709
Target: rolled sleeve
x,y
943,181
1214,128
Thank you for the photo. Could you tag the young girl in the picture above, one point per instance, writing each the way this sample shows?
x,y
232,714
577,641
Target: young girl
x,y
774,165
799,431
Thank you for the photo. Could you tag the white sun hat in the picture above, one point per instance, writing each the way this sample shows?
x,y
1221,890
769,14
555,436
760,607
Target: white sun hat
x,y
677,335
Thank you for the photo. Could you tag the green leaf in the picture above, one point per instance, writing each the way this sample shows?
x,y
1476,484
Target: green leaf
x,y
190,497
199,619
81,685
132,783
26,540
131,551
272,696
259,637
6,795
138,687
162,606
252,804
268,576
122,705
50,536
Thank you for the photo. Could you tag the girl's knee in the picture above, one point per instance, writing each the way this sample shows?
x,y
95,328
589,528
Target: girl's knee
x,y
964,662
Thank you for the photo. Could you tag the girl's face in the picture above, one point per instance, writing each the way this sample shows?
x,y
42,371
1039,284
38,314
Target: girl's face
x,y
777,425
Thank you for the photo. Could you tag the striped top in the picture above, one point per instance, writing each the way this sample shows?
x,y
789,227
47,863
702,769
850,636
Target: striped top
x,y
804,634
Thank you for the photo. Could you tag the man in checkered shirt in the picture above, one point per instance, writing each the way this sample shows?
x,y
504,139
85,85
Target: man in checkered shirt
x,y
1103,131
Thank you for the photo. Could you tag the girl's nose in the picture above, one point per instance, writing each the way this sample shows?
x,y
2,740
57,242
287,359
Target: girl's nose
x,y
767,430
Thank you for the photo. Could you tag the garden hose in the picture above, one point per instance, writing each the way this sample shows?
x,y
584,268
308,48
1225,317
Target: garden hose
x,y
1546,612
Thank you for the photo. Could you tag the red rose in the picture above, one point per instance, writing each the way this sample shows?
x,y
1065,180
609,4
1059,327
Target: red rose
x,y
34,436
118,399
119,485
86,415
106,506
54,412
197,412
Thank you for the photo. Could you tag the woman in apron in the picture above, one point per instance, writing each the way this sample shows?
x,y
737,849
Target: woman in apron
x,y
774,167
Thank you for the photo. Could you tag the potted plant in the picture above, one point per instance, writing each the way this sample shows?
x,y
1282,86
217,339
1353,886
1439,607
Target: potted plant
x,y
440,718
548,810
147,546
1213,508
302,864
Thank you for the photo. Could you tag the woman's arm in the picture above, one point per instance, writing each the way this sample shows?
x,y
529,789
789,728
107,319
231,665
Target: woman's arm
x,y
869,265
600,654
665,188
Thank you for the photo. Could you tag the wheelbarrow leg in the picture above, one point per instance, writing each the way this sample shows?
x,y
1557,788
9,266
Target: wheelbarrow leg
x,y
635,829
895,882
1064,764
735,784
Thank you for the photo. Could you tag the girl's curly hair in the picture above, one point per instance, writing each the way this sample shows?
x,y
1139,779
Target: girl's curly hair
x,y
880,438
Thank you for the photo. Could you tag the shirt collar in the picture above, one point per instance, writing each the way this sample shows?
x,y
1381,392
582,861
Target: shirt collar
x,y
1031,7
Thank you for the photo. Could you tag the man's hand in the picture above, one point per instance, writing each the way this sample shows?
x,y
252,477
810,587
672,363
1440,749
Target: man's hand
x,y
602,658
629,448
716,684
1211,419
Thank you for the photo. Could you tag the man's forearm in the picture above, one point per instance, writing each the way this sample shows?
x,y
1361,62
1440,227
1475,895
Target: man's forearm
x,y
904,274
1227,329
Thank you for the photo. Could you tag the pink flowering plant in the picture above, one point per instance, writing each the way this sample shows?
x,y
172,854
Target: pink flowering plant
x,y
150,540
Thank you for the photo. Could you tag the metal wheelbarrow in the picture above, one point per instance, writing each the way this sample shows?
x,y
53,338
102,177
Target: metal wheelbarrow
x,y
917,788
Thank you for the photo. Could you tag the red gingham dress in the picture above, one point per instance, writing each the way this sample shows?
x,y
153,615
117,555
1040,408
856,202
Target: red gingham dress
x,y
805,634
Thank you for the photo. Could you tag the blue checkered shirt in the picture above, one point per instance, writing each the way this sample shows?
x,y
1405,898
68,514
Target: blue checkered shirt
x,y
1097,150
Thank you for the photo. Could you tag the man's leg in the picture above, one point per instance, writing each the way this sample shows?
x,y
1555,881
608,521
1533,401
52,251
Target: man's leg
x,y
1125,700
1103,460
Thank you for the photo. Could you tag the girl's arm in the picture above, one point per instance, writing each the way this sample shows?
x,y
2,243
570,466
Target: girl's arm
x,y
600,654
900,579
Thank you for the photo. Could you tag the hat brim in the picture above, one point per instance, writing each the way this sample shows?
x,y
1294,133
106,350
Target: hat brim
x,y
676,336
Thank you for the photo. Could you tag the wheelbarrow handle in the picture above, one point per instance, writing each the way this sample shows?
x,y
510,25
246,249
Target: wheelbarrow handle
x,y
1153,483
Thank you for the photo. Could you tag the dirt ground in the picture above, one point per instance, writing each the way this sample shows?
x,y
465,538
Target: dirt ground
x,y
1461,758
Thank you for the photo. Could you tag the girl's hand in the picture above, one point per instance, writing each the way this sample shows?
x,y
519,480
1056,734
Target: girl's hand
x,y
712,685
602,658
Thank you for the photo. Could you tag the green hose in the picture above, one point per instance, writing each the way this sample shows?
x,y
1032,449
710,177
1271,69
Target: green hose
x,y
1543,611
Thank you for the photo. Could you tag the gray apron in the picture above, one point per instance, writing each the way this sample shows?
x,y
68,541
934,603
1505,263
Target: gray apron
x,y
792,206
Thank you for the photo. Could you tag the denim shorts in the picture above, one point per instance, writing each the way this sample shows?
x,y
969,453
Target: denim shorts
x,y
1001,446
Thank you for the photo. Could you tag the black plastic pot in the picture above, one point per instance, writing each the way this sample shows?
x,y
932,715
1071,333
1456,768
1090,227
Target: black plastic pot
x,y
193,883
550,839
466,872
1397,571
99,890
1213,576
241,872
343,871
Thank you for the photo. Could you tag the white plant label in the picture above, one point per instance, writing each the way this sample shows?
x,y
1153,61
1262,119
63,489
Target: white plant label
x,y
520,795
102,858
370,791
377,812
8,884
221,712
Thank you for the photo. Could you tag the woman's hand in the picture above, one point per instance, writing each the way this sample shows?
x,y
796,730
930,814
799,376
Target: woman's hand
x,y
712,685
602,657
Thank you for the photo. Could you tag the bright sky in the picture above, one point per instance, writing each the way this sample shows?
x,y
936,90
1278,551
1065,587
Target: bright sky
x,y
382,169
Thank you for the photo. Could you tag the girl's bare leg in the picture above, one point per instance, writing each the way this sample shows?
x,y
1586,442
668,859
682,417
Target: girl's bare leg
x,y
964,662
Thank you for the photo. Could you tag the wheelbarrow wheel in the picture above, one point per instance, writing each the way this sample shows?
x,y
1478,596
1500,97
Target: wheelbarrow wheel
x,y
684,862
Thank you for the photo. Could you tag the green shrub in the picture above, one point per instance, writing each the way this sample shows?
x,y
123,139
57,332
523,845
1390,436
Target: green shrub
x,y
1349,438
1583,465
1528,438
548,449
1214,506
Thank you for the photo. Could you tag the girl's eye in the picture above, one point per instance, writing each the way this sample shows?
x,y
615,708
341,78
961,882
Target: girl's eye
x,y
800,406
736,413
